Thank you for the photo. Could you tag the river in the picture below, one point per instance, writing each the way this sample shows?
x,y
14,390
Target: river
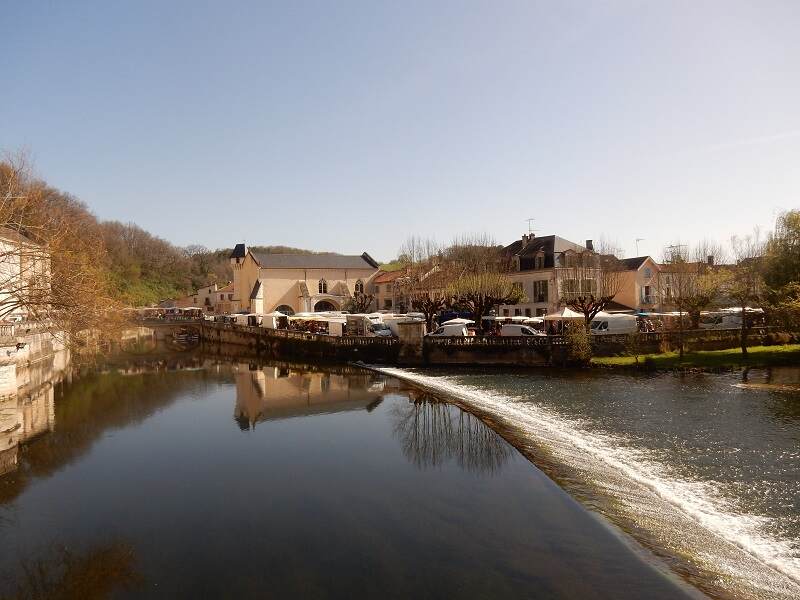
x,y
704,469
188,477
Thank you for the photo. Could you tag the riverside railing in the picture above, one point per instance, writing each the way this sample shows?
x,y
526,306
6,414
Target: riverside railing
x,y
477,340
351,340
13,330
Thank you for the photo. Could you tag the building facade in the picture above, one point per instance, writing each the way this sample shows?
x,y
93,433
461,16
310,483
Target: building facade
x,y
535,264
24,276
291,283
389,294
639,287
206,297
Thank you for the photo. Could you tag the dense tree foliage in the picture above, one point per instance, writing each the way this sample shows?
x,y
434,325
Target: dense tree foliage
x,y
102,263
782,270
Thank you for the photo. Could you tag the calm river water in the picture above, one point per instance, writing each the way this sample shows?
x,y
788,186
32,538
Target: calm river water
x,y
185,477
703,469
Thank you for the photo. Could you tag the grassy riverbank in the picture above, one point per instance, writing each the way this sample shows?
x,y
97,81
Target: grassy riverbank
x,y
758,356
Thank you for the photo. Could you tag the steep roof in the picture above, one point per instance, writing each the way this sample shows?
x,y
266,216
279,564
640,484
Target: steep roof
x,y
239,250
256,289
313,261
549,244
633,264
227,288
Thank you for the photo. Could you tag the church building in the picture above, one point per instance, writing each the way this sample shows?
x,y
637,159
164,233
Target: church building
x,y
291,283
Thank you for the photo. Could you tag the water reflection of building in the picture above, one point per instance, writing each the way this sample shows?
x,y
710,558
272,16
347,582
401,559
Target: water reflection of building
x,y
27,407
265,393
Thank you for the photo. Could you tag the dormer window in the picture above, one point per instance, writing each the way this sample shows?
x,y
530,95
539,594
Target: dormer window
x,y
323,286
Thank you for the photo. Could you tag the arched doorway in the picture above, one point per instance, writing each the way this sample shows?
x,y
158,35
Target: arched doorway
x,y
323,305
285,309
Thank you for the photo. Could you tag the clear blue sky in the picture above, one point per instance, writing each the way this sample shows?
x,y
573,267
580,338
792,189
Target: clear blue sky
x,y
347,126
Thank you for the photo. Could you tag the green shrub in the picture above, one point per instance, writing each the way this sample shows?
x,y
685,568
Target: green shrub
x,y
579,346
779,338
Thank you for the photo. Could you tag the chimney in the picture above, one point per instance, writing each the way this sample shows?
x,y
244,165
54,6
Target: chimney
x,y
710,260
524,240
589,246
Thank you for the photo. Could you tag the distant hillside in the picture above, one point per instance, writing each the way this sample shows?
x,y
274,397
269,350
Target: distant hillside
x,y
145,269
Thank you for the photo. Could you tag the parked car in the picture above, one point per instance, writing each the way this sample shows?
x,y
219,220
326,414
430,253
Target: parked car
x,y
516,330
455,330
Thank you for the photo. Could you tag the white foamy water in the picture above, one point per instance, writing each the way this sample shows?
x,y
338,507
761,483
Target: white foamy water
x,y
733,552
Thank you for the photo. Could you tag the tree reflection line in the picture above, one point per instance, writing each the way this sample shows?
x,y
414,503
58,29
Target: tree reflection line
x,y
432,432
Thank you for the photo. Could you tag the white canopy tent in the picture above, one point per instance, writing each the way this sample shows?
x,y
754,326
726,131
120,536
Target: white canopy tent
x,y
565,314
458,322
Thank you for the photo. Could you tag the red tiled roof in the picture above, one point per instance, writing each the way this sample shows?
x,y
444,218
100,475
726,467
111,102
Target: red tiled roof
x,y
388,276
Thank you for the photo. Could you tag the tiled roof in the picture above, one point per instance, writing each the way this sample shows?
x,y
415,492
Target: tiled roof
x,y
632,264
239,251
547,245
388,276
227,288
314,261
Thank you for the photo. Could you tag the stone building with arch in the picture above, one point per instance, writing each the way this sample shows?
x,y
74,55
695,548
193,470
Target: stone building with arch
x,y
291,283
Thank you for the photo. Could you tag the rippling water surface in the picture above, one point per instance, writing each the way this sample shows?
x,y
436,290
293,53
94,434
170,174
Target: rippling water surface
x,y
702,468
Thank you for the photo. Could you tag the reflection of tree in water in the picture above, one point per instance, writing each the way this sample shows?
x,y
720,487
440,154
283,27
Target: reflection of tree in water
x,y
65,574
433,432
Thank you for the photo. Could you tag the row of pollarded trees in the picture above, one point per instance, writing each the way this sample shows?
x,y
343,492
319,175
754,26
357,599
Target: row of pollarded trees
x,y
473,274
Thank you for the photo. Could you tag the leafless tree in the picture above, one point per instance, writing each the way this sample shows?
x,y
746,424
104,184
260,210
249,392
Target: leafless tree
x,y
479,278
424,281
51,256
588,282
747,285
691,280
360,302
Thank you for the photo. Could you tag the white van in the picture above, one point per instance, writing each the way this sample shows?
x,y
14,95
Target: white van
x,y
455,330
721,321
516,330
614,323
394,320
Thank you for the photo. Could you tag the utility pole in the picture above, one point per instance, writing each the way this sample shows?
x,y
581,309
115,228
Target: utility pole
x,y
637,245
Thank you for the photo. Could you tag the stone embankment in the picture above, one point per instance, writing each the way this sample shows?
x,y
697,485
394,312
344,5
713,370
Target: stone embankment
x,y
412,348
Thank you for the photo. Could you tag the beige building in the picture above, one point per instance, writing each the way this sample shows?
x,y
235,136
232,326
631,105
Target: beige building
x,y
223,300
206,297
536,261
639,286
272,393
292,283
388,293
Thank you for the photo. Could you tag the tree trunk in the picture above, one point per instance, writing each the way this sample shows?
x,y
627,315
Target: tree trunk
x,y
680,334
744,331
